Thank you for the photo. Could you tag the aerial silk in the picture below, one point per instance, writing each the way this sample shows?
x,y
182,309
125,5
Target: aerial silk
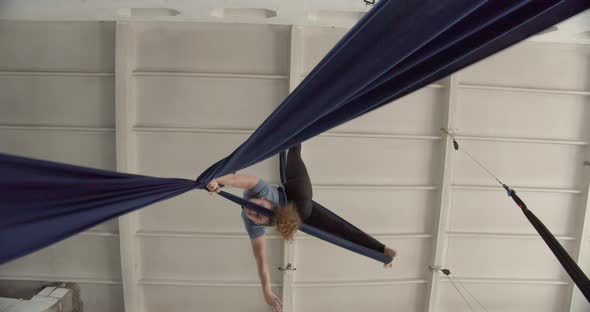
x,y
396,48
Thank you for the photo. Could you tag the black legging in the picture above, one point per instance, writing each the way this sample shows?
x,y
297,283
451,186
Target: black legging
x,y
298,190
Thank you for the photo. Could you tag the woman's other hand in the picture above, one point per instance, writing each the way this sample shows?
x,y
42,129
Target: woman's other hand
x,y
272,300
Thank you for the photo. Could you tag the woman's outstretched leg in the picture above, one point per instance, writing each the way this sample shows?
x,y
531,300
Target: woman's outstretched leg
x,y
327,221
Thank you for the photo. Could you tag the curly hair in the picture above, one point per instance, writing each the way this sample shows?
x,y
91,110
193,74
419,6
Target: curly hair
x,y
287,220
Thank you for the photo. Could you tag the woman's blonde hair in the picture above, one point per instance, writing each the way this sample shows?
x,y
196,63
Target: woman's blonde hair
x,y
287,220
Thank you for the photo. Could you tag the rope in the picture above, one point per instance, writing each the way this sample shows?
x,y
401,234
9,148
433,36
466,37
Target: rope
x,y
470,294
481,165
460,293
452,279
457,147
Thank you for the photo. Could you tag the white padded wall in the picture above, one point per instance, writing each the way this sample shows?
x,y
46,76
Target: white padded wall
x,y
57,103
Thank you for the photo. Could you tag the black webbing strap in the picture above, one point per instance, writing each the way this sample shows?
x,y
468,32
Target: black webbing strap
x,y
570,266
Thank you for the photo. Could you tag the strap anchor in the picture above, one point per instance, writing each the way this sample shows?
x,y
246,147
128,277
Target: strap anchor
x,y
438,268
450,133
288,267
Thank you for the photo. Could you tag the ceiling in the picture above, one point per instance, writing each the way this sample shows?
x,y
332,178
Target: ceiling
x,y
537,146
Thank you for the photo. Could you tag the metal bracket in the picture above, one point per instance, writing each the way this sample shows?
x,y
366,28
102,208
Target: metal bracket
x,y
434,268
450,131
289,267
437,268
369,2
587,163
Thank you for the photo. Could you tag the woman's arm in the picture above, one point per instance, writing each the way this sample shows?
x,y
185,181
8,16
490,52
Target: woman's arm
x,y
259,250
245,182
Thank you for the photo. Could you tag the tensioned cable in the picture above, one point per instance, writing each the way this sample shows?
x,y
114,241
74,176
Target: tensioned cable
x,y
460,293
470,294
567,262
457,147
452,279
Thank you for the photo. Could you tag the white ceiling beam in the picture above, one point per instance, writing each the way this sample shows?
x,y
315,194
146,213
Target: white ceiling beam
x,y
440,240
296,57
126,159
577,301
296,52
288,290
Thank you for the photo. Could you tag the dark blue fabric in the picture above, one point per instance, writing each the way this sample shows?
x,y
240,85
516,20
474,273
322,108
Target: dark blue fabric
x,y
43,202
397,48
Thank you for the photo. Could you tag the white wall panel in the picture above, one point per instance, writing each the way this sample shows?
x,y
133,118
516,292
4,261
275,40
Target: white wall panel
x,y
111,226
580,302
92,149
382,211
57,101
157,298
193,211
505,297
217,48
317,260
371,161
535,165
495,212
535,65
76,257
186,155
57,46
404,297
207,102
510,258
523,115
416,113
208,259
317,41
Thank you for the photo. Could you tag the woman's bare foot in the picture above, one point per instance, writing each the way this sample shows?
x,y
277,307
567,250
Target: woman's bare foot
x,y
390,253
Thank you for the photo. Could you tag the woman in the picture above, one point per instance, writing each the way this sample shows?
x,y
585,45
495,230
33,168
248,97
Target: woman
x,y
289,213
